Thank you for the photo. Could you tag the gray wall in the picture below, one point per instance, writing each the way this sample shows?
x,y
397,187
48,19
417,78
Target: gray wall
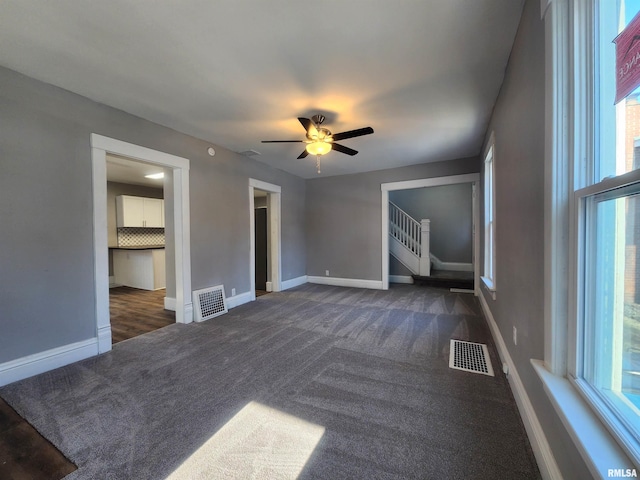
x,y
519,124
398,268
46,259
344,221
449,207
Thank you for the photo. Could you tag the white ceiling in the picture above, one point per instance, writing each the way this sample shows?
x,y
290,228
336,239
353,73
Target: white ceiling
x,y
423,73
125,170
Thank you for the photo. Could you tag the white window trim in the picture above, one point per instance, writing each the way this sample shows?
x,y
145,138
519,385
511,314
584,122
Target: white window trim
x,y
489,280
568,134
598,405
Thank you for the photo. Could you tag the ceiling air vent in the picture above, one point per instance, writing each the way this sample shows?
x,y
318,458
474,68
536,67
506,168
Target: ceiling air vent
x,y
209,302
470,357
250,153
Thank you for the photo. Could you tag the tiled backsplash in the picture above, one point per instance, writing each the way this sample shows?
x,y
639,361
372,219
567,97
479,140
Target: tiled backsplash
x,y
140,237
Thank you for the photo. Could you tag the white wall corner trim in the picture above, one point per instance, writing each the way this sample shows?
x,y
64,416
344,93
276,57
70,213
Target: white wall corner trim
x,y
346,282
400,279
239,299
37,363
541,449
294,282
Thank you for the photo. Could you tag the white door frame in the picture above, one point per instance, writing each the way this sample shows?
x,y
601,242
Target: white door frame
x,y
472,178
273,221
100,146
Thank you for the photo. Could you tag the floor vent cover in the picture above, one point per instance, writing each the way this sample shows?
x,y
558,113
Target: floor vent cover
x,y
209,303
470,357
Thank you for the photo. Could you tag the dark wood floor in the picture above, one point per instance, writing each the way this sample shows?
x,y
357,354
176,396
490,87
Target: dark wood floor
x,y
446,279
134,312
24,453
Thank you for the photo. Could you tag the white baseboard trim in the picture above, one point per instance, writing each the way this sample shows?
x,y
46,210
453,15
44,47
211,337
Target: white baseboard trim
x,y
238,300
400,279
451,266
104,339
346,282
188,312
539,444
31,365
294,282
170,304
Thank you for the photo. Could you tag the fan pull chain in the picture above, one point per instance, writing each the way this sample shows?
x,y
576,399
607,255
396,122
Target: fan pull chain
x,y
318,163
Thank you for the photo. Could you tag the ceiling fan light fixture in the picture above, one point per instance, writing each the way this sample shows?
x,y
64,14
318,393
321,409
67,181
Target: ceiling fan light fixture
x,y
318,148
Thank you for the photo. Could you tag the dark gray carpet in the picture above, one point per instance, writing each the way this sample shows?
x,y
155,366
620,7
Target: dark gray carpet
x,y
370,367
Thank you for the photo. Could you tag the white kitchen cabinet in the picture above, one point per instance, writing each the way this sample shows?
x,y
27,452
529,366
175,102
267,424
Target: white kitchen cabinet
x,y
139,212
143,268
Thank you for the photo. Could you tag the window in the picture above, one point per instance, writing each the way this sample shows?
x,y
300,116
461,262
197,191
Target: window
x,y
489,276
606,233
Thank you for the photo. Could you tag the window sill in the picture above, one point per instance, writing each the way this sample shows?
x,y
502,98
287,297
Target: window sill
x,y
491,288
597,447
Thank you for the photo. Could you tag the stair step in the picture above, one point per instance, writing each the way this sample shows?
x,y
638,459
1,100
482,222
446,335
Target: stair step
x,y
441,279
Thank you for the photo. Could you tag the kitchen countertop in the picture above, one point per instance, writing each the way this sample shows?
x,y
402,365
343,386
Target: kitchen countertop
x,y
145,247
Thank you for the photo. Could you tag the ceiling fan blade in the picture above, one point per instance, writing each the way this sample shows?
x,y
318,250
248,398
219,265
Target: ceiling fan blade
x,y
342,149
303,154
306,123
353,133
282,141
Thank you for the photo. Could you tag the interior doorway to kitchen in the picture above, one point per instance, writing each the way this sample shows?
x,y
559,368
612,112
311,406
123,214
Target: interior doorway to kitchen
x,y
136,219
176,228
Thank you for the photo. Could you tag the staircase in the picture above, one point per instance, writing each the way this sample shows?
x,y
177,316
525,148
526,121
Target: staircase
x,y
409,243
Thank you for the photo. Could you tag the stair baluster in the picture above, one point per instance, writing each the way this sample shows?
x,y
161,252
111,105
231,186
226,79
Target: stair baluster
x,y
409,233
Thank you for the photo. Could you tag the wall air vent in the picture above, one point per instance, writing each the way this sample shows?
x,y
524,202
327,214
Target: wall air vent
x,y
209,302
470,357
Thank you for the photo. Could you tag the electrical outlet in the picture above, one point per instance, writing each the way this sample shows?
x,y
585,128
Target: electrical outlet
x,y
233,292
515,336
326,272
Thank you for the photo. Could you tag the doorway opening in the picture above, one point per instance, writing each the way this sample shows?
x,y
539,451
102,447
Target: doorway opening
x,y
176,229
265,256
426,260
261,235
137,249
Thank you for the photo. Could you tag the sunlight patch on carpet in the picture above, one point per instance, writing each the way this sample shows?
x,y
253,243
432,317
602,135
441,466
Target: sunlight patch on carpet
x,y
258,442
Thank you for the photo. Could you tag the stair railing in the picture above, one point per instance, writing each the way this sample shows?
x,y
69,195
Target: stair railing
x,y
412,234
404,228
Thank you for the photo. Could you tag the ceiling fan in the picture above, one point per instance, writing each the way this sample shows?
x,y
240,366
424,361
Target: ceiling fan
x,y
321,141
